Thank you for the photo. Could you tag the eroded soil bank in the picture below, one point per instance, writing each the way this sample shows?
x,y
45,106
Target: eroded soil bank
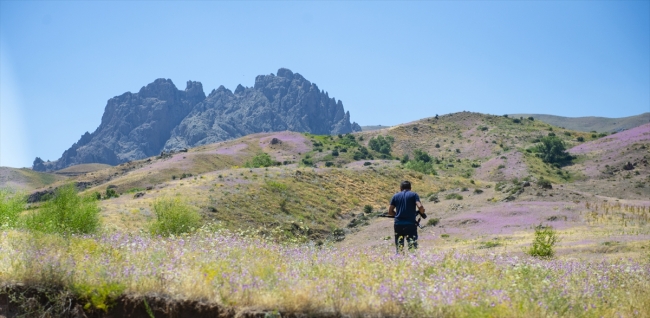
x,y
38,301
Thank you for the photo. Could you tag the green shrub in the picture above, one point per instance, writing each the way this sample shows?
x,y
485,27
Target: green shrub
x,y
543,183
453,196
543,243
381,144
367,208
260,160
66,213
174,217
335,153
111,193
421,162
553,150
580,139
420,166
11,204
433,221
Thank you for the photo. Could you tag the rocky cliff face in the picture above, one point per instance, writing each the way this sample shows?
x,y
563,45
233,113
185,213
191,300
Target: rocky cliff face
x,y
284,102
161,117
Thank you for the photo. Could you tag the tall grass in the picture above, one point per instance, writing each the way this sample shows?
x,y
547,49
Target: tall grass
x,y
11,204
232,270
174,217
66,213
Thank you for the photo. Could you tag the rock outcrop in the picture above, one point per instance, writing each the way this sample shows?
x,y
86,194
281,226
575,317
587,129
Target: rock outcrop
x,y
162,118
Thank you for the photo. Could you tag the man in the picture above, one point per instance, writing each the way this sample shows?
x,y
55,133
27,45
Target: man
x,y
406,202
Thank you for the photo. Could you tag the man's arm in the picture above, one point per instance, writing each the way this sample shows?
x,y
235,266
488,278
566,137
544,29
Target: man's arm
x,y
391,210
420,207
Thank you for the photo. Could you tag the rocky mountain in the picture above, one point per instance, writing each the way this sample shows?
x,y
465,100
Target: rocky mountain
x,y
284,102
161,117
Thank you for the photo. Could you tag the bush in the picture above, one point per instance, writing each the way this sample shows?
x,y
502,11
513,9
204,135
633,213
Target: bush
x,y
260,160
433,221
174,217
553,150
545,184
66,213
420,166
580,139
543,243
367,208
335,153
381,144
453,196
11,204
111,193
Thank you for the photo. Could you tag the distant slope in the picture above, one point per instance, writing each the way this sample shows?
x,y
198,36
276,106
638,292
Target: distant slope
x,y
599,124
373,127
82,169
26,179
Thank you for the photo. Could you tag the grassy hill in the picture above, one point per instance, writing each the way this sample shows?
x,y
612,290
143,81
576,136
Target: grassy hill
x,y
591,123
309,222
25,179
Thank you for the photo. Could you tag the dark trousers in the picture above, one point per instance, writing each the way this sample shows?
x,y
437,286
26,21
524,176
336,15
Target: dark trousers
x,y
408,233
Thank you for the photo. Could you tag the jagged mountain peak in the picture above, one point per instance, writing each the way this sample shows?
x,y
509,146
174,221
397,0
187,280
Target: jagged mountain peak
x,y
162,117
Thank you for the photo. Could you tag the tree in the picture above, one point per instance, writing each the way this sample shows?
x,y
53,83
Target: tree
x,y
421,162
553,150
381,144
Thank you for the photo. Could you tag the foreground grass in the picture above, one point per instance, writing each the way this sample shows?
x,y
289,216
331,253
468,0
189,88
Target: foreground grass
x,y
234,270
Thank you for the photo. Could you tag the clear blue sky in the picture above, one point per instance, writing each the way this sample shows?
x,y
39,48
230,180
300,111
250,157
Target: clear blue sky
x,y
389,62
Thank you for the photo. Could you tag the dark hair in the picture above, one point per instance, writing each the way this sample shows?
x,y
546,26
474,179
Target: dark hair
x,y
405,185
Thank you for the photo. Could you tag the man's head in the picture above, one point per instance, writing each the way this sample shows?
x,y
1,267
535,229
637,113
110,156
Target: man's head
x,y
405,185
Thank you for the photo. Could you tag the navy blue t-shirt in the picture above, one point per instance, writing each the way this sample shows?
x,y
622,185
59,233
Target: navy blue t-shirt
x,y
405,207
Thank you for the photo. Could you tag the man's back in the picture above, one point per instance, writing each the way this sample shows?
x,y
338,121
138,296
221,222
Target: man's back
x,y
405,204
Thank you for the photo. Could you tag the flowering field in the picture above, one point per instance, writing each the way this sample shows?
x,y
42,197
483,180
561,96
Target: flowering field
x,y
237,271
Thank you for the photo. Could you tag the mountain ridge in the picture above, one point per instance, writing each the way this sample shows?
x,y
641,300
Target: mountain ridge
x,y
160,117
591,123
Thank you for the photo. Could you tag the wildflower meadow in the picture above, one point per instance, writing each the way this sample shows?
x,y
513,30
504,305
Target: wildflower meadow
x,y
236,270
